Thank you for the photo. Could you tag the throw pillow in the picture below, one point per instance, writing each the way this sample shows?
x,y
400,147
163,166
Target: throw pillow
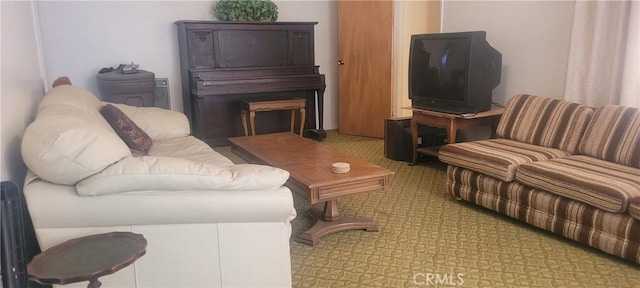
x,y
64,80
137,140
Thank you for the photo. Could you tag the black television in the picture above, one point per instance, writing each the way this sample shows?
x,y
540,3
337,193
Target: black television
x,y
453,72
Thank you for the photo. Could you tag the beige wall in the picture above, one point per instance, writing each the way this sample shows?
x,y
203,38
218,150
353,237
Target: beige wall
x,y
410,17
81,37
22,86
533,37
326,47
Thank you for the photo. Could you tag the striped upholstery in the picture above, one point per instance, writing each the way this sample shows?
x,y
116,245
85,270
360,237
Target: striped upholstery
x,y
634,207
498,158
614,135
544,122
614,233
561,167
605,185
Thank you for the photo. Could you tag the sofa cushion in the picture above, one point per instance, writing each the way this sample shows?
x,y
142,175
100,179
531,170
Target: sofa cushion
x,y
602,184
73,96
544,122
498,158
151,173
129,132
70,140
188,148
614,135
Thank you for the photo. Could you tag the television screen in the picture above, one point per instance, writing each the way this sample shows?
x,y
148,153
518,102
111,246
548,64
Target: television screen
x,y
453,72
439,68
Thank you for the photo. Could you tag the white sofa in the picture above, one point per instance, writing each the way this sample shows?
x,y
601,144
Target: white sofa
x,y
208,222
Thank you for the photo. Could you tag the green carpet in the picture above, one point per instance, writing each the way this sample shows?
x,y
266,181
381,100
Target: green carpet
x,y
429,239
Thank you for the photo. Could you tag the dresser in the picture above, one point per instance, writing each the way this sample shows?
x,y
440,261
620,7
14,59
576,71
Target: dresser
x,y
225,63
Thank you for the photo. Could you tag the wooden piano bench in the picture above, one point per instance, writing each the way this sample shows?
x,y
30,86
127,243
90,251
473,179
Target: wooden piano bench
x,y
254,106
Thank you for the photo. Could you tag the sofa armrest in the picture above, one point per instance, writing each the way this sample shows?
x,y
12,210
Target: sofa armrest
x,y
158,173
60,206
158,123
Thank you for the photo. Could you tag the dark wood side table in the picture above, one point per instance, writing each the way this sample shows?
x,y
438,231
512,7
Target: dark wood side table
x,y
450,122
86,258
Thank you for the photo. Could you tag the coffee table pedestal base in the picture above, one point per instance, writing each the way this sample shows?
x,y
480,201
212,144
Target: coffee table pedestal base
x,y
330,221
302,158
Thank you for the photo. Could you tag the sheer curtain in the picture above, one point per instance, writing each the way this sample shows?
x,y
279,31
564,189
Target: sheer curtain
x,y
604,62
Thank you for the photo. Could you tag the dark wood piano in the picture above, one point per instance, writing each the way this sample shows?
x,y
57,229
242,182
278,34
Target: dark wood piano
x,y
223,63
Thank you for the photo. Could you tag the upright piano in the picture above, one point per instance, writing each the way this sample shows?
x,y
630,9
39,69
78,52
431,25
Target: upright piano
x,y
223,63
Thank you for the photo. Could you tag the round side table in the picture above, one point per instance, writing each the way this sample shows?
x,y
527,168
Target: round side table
x,y
86,258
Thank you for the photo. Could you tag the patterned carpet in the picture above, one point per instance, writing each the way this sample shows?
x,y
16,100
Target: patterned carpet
x,y
428,239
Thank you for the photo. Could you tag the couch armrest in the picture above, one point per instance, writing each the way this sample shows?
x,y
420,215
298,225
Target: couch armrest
x,y
60,206
158,173
158,123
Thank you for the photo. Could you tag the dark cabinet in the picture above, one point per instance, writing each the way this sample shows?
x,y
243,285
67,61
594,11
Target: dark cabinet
x,y
223,63
135,89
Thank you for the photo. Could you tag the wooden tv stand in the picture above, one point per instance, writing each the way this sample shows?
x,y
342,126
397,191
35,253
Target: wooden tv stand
x,y
451,122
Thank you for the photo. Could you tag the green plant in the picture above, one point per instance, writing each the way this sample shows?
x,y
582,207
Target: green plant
x,y
246,10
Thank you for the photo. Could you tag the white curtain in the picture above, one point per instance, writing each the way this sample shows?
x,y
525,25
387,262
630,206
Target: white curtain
x,y
604,62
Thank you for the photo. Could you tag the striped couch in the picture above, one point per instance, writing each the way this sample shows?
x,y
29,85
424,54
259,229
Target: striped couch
x,y
560,166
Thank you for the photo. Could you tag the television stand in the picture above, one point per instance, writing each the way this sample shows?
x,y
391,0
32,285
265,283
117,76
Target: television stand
x,y
451,122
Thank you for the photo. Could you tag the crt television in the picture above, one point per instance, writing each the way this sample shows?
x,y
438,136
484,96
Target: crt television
x,y
453,72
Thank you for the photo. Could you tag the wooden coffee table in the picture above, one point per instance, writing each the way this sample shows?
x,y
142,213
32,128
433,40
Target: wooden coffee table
x,y
310,166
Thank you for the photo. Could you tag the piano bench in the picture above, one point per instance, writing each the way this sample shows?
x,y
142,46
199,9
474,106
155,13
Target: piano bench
x,y
254,106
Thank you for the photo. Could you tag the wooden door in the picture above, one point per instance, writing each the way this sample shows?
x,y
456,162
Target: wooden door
x,y
365,35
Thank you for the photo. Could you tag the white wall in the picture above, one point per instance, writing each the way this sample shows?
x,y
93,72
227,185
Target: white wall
x,y
22,86
81,37
533,37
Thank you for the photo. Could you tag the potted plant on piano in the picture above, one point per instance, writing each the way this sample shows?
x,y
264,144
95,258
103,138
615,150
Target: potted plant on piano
x,y
246,10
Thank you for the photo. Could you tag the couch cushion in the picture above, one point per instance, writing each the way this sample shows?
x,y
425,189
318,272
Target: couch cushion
x,y
151,173
129,132
544,122
69,95
498,158
70,140
614,135
602,184
188,148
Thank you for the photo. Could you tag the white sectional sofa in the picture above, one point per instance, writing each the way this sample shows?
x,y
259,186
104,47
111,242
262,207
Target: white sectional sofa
x,y
207,221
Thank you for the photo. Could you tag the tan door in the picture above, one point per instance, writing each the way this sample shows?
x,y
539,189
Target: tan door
x,y
365,35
